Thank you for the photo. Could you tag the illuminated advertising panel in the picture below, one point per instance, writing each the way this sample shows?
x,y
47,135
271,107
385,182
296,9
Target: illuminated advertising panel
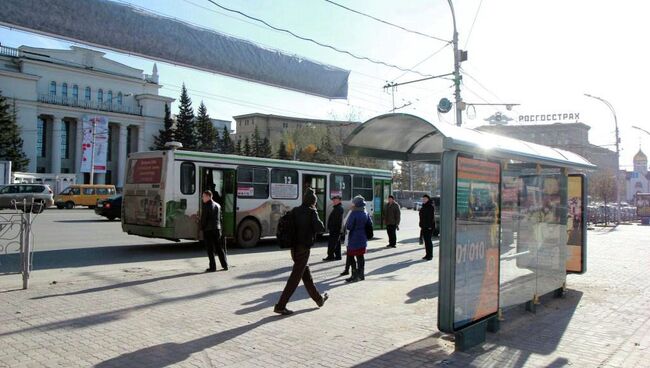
x,y
576,225
476,285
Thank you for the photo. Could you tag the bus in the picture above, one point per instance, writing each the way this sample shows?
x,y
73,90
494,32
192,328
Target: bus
x,y
162,192
643,207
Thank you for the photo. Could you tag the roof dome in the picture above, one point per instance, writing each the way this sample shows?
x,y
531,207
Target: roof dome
x,y
640,156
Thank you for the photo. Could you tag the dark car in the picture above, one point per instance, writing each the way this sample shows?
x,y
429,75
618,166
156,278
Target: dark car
x,y
110,208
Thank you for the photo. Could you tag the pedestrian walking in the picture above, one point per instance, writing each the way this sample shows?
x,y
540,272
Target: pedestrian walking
x,y
358,224
391,219
334,225
427,225
344,240
211,227
307,225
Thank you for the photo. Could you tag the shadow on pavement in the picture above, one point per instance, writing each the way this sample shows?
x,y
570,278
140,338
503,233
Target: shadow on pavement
x,y
523,334
428,291
170,353
83,257
120,285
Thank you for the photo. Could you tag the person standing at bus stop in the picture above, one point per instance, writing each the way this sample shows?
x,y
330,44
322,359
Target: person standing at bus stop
x,y
334,225
307,225
392,219
427,225
211,226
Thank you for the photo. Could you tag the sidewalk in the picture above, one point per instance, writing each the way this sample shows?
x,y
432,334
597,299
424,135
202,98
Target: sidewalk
x,y
168,313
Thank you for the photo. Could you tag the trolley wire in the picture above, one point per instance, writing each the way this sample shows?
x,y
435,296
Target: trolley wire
x,y
342,51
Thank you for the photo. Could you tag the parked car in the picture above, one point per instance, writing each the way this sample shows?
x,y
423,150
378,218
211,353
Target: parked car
x,y
40,193
83,195
111,208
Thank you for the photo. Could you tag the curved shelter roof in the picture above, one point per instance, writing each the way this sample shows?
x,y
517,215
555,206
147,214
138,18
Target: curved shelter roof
x,y
407,137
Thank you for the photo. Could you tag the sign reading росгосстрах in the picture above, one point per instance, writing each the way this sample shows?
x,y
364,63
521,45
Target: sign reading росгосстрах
x,y
534,118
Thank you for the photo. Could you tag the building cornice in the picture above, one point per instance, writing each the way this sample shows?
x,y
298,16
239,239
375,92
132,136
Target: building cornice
x,y
19,75
266,116
90,71
149,96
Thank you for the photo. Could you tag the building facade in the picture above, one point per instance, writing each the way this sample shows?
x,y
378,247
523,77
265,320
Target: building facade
x,y
54,90
275,127
572,137
637,180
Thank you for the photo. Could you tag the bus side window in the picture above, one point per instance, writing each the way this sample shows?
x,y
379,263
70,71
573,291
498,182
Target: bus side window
x,y
188,178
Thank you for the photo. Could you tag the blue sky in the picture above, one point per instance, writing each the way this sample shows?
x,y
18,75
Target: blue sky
x,y
541,54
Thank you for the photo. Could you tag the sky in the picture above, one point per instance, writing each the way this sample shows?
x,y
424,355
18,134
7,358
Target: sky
x,y
543,55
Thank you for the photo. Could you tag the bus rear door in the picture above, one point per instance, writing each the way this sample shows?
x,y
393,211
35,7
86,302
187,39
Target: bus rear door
x,y
222,183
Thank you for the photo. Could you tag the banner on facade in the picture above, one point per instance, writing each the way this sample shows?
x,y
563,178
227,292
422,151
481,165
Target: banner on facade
x,y
97,126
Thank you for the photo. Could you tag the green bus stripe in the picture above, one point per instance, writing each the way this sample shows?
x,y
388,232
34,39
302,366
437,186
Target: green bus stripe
x,y
232,159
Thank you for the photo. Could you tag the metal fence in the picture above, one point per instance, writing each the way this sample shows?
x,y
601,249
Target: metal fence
x,y
17,239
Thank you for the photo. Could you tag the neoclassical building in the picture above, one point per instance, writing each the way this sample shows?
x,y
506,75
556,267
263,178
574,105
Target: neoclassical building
x,y
55,89
638,180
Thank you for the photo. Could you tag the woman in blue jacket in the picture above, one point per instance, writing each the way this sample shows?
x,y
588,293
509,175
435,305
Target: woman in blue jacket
x,y
357,239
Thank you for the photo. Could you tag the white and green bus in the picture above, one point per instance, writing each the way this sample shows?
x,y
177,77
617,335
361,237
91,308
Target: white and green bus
x,y
162,193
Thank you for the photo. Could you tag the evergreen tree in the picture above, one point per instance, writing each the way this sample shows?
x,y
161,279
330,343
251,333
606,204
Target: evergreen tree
x,y
227,145
256,144
247,150
165,135
185,131
238,148
282,153
206,133
11,145
265,150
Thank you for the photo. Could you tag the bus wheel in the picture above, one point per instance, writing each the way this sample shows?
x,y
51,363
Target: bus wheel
x,y
69,205
248,233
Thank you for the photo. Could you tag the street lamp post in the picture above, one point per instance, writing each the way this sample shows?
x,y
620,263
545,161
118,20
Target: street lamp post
x,y
618,157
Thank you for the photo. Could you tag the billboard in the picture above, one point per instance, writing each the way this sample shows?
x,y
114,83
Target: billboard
x,y
470,256
97,126
576,224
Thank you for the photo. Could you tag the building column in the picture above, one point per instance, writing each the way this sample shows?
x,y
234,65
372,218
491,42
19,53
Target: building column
x,y
141,138
55,166
78,141
121,155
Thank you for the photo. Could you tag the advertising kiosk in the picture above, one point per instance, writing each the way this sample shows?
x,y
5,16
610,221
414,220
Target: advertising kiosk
x,y
512,216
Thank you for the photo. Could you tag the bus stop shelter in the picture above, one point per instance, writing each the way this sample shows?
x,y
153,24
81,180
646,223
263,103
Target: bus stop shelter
x,y
513,219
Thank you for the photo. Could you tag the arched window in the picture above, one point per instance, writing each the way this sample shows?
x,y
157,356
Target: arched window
x,y
53,88
100,95
64,90
119,98
87,94
110,97
75,92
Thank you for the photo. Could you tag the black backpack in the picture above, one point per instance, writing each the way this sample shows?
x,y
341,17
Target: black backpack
x,y
286,232
370,234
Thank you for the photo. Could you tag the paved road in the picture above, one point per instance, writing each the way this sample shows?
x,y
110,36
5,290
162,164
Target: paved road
x,y
79,238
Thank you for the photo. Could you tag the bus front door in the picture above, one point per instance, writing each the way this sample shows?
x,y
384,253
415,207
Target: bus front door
x,y
318,184
222,184
378,204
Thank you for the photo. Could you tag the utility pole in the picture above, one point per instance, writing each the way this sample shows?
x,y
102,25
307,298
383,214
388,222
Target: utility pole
x,y
618,155
457,76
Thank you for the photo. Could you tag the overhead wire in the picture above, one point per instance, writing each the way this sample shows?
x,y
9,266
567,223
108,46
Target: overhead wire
x,y
469,34
423,61
342,51
387,22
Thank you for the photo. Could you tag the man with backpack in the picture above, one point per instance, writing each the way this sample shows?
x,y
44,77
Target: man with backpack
x,y
306,225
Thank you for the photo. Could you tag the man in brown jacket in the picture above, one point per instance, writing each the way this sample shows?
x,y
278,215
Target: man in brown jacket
x,y
392,219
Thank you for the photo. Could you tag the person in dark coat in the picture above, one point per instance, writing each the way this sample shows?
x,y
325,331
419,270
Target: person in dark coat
x,y
307,226
357,239
334,225
427,225
392,217
211,227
